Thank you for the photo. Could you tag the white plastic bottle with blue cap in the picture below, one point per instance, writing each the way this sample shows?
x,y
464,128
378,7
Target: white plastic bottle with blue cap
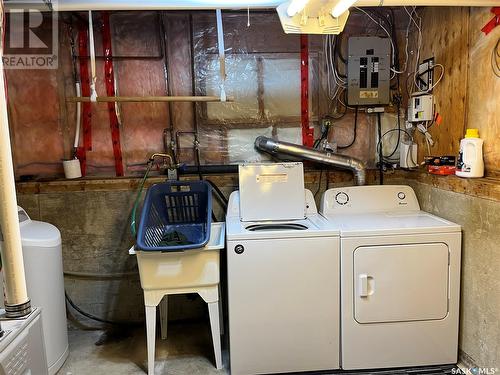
x,y
470,160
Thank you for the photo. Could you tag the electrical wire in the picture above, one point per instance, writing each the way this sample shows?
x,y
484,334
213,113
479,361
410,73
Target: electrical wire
x,y
411,21
338,50
380,157
324,135
335,79
319,183
495,59
335,114
387,158
398,106
429,89
354,131
393,48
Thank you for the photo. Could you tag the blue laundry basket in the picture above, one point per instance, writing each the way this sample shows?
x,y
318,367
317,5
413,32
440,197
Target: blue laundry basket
x,y
175,208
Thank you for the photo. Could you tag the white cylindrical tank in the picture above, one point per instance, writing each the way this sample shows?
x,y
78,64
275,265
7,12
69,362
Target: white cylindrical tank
x,y
42,252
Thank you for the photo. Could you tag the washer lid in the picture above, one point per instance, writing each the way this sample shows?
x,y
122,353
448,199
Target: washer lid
x,y
272,191
314,225
392,223
39,234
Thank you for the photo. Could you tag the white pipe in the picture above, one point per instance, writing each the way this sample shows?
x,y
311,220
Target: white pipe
x,y
222,55
12,253
93,92
84,5
78,115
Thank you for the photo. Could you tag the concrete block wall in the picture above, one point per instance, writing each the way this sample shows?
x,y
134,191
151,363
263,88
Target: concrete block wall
x,y
479,340
96,237
95,232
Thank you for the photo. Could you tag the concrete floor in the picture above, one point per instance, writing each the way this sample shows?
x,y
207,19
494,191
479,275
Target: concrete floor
x,y
188,350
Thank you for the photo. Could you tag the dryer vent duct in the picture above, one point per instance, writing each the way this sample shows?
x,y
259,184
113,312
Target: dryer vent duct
x,y
281,149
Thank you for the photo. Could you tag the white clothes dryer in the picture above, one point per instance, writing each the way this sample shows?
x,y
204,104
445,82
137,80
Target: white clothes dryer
x,y
400,278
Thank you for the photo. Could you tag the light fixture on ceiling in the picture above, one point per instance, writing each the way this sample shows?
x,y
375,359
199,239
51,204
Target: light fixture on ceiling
x,y
296,6
342,6
314,16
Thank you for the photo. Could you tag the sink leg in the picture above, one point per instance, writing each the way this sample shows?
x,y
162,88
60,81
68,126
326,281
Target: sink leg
x,y
151,334
213,310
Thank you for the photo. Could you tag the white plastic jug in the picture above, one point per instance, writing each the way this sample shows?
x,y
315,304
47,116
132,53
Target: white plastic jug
x,y
470,160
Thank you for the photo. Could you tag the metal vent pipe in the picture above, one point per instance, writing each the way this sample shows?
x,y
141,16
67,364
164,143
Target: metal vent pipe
x,y
279,148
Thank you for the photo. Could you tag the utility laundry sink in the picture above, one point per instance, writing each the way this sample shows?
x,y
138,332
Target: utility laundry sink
x,y
183,269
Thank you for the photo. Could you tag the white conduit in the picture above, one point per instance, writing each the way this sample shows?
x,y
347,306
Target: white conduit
x,y
78,90
17,300
93,92
222,55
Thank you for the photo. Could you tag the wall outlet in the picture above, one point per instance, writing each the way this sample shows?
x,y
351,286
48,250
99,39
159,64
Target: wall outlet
x,y
425,75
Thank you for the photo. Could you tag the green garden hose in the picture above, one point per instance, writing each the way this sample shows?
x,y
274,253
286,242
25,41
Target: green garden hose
x,y
133,222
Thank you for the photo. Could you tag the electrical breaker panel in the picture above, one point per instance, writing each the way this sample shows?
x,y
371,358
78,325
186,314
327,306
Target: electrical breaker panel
x,y
421,108
369,71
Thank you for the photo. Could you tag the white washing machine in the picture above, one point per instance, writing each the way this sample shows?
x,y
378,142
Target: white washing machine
x,y
283,275
400,278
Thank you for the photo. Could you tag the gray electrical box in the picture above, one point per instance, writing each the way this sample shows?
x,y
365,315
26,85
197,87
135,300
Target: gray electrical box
x,y
369,71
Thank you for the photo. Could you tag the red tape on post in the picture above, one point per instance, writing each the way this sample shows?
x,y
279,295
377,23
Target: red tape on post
x,y
83,51
495,21
307,131
114,124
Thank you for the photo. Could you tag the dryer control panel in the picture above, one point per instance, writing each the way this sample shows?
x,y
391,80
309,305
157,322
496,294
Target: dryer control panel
x,y
365,199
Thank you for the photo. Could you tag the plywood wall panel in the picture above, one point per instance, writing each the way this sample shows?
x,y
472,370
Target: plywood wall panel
x,y
483,110
445,37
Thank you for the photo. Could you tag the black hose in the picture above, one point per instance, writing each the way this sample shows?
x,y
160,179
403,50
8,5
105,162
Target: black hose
x,y
95,318
380,157
197,157
208,169
219,193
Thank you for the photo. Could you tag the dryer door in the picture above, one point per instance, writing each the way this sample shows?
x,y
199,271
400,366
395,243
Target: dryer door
x,y
400,282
